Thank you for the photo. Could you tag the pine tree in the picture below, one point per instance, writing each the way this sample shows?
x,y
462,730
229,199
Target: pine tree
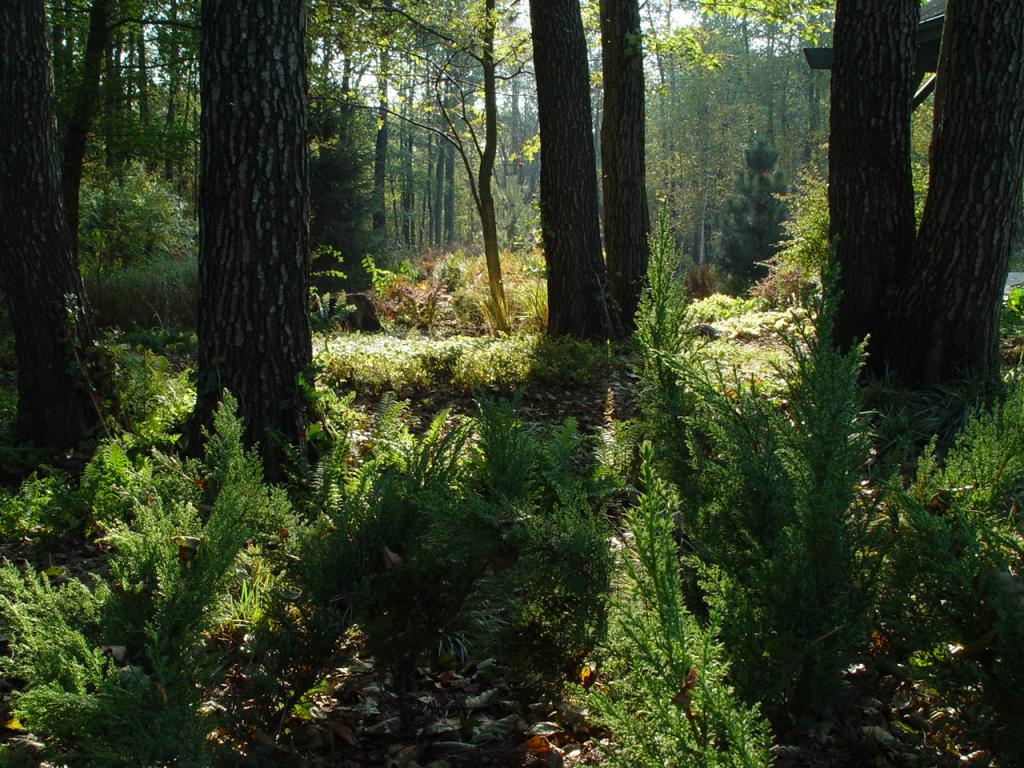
x,y
754,216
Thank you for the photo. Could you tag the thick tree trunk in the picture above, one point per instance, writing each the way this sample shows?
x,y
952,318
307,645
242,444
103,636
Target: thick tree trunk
x,y
627,220
38,270
871,195
577,284
254,336
951,296
86,100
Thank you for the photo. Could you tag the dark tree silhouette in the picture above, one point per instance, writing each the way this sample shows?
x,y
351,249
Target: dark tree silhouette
x,y
627,221
254,336
871,194
38,270
577,283
949,302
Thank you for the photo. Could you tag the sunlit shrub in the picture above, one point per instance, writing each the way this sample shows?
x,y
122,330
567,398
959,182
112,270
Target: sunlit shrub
x,y
131,219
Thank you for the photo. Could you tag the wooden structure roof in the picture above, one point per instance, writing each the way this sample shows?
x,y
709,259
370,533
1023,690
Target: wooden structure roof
x,y
929,37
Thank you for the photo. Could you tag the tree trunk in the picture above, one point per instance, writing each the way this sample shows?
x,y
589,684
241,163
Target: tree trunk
x,y
38,269
254,336
485,178
577,285
85,103
408,189
449,196
627,220
437,210
380,155
871,195
951,296
142,77
173,75
113,96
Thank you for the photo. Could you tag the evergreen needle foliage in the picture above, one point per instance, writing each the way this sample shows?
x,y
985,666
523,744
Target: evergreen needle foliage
x,y
663,323
959,603
669,703
753,226
116,670
776,525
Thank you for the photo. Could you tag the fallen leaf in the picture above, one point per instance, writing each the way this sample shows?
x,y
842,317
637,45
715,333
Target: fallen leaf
x,y
388,727
485,698
538,745
682,698
494,730
546,728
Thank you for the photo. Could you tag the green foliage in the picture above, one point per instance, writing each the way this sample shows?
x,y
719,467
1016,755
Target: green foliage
x,y
776,525
132,219
115,670
45,501
958,600
161,292
718,307
375,364
662,334
668,701
147,397
754,217
1015,306
807,244
340,186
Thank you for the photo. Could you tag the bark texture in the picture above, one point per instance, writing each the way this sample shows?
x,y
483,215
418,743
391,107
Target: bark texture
x,y
627,222
38,270
254,336
950,299
577,283
871,194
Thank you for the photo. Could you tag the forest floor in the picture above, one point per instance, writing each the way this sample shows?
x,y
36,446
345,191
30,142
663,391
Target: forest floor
x,y
481,712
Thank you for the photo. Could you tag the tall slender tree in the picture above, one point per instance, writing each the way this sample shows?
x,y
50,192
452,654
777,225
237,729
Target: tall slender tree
x,y
38,270
950,297
627,221
577,282
254,336
86,101
871,193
